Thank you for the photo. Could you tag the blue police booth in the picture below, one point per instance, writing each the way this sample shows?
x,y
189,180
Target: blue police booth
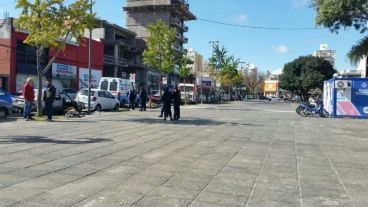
x,y
346,97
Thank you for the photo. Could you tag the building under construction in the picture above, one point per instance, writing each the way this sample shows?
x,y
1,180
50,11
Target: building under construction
x,y
174,13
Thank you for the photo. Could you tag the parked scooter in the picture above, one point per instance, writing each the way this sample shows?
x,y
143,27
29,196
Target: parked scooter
x,y
312,110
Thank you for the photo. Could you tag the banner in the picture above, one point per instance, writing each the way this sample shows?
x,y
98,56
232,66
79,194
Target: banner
x,y
95,77
65,72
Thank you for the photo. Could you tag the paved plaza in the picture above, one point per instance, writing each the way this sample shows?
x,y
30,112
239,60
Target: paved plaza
x,y
238,154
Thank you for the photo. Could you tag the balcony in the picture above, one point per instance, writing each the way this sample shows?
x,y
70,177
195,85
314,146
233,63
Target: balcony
x,y
185,28
185,39
178,36
176,22
177,47
111,60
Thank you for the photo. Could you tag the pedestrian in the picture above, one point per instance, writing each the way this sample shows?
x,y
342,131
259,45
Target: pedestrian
x,y
131,97
48,97
28,94
143,98
167,99
177,100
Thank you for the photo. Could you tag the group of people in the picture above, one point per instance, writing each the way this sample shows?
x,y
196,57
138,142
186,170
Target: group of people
x,y
49,94
132,95
171,97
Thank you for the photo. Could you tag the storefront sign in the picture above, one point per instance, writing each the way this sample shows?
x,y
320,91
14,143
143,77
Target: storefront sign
x,y
132,77
95,77
65,72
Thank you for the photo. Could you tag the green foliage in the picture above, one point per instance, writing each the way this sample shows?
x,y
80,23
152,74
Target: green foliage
x,y
184,70
159,53
306,73
51,22
337,14
359,51
225,67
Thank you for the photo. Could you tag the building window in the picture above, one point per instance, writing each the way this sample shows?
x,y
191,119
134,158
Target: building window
x,y
26,54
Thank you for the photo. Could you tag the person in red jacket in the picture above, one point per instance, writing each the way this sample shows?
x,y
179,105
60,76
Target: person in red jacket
x,y
28,94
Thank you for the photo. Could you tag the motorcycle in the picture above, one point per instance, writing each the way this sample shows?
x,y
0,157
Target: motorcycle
x,y
312,110
302,106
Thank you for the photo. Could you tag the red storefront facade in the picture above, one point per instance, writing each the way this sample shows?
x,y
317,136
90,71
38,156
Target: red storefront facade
x,y
17,61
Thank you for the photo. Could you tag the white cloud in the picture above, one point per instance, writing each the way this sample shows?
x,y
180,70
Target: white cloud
x,y
300,3
242,17
281,49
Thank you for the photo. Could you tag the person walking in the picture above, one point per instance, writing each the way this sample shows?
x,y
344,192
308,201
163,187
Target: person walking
x,y
49,97
131,98
167,99
177,100
143,98
28,94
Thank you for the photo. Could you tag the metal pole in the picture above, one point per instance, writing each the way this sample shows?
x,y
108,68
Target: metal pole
x,y
89,66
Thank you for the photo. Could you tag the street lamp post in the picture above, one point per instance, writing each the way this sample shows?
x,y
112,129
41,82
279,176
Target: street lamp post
x,y
89,66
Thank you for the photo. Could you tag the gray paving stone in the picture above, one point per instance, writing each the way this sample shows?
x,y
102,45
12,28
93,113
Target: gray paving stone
x,y
237,154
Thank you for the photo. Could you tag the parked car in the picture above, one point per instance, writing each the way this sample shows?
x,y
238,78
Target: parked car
x,y
61,103
5,96
5,109
274,98
296,99
71,92
264,98
100,99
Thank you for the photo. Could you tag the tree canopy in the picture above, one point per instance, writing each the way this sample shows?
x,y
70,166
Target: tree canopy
x,y
338,14
51,23
225,67
159,53
306,73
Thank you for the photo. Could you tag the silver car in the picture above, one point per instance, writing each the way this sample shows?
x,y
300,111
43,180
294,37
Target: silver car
x,y
5,109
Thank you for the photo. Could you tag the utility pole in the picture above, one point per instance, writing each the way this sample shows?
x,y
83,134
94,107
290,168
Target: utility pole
x,y
89,66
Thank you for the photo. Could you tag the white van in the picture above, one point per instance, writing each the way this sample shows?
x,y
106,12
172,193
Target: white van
x,y
191,92
118,87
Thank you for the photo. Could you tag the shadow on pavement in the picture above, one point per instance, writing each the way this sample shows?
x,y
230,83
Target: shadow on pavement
x,y
193,122
39,139
9,119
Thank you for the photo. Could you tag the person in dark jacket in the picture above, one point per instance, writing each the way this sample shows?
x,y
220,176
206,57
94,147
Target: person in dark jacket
x,y
28,94
177,100
131,97
167,99
143,98
49,97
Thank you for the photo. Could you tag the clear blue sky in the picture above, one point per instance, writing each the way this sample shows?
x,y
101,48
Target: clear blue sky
x,y
268,49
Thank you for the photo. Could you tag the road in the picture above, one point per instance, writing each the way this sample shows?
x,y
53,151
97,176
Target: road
x,y
238,154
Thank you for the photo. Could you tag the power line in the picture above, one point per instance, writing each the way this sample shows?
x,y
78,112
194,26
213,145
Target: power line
x,y
261,27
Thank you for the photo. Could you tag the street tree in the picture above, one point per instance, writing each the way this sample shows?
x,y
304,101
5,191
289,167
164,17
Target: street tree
x,y
254,83
229,75
223,66
159,53
51,23
306,73
185,72
337,14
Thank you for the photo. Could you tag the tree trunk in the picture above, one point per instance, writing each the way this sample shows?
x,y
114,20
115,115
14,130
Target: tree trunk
x,y
39,74
229,92
185,93
160,85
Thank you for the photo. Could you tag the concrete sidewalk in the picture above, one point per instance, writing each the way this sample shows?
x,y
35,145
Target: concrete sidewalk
x,y
238,154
